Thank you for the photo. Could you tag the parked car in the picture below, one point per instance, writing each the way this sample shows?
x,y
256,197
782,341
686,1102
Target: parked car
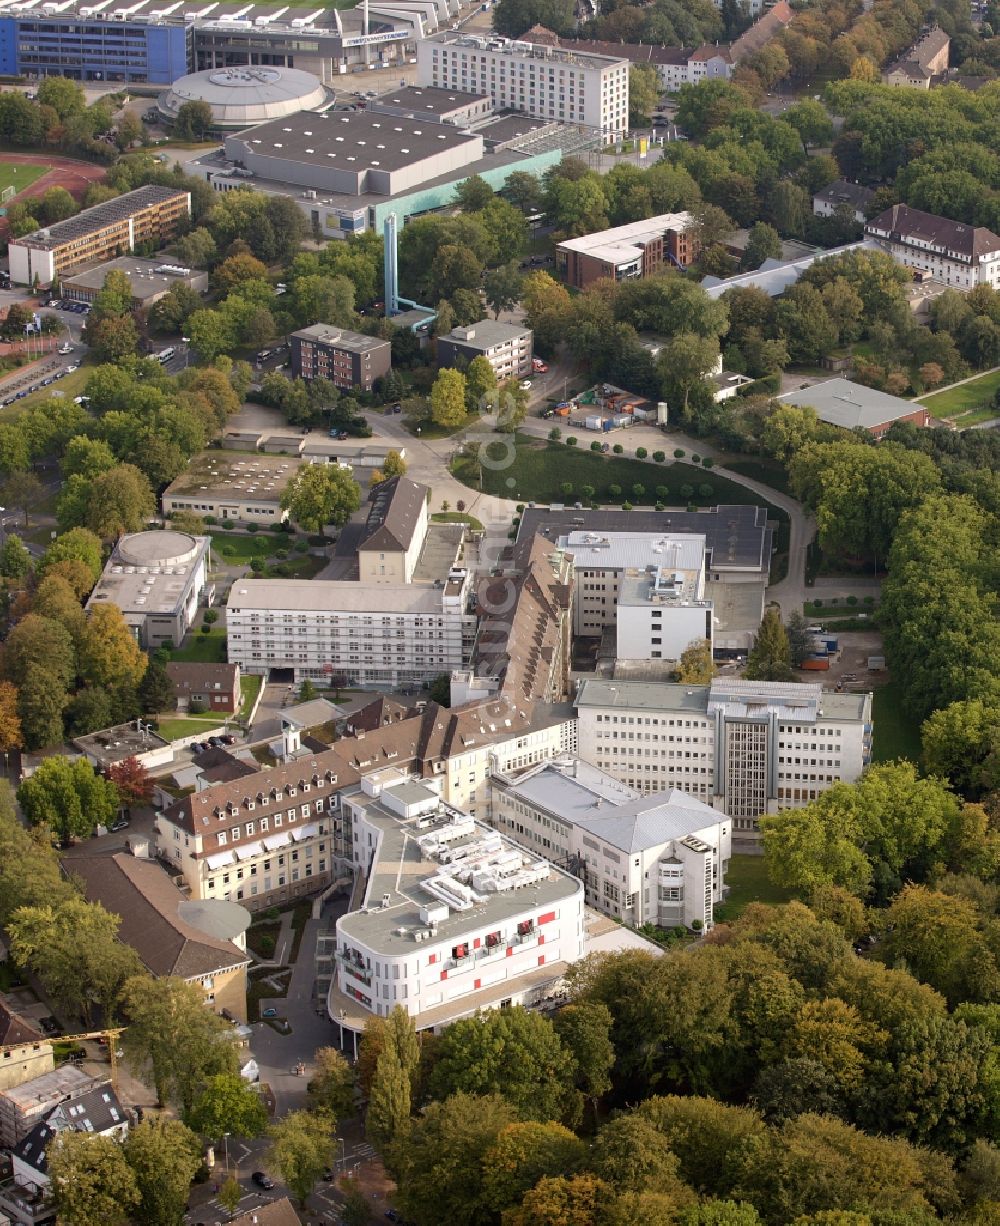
x,y
525,385
121,823
228,739
262,1180
197,747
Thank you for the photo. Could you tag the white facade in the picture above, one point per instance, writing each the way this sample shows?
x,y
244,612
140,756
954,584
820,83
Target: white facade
x,y
748,747
546,82
375,635
957,255
454,917
658,859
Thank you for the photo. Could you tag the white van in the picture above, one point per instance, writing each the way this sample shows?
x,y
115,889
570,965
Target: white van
x,y
165,355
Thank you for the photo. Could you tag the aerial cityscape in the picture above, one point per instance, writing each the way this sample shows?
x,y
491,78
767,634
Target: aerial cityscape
x,y
499,644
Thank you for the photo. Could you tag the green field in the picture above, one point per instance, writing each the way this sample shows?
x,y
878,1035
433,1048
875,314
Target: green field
x,y
748,882
971,400
244,547
457,517
762,469
895,734
174,729
21,176
203,648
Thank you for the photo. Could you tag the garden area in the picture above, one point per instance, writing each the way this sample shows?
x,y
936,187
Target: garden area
x,y
748,882
272,554
895,734
21,175
967,404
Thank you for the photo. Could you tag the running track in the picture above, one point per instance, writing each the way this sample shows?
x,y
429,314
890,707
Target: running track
x,y
75,176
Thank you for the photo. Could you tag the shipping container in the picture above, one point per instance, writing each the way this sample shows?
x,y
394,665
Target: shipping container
x,y
593,422
816,664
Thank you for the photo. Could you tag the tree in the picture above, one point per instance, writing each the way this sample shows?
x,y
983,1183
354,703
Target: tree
x,y
524,1153
193,120
15,561
109,654
236,270
301,1149
810,119
29,867
799,638
132,781
73,948
228,1105
437,1163
164,1156
68,797
41,701
581,1200
156,690
510,1052
683,363
643,93
388,1101
230,1194
696,667
332,1085
502,288
523,190
76,545
174,1039
66,97
770,655
763,243
112,338
393,465
115,502
354,1211
211,332
22,489
11,736
473,194
92,1183
448,399
321,494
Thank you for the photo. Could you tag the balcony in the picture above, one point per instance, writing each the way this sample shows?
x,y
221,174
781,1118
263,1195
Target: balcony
x,y
26,1203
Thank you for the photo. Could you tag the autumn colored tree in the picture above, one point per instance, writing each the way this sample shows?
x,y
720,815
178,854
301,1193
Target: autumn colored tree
x,y
132,780
109,654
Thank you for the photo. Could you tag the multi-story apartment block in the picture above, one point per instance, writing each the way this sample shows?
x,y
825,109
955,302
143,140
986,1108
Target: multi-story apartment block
x,y
383,635
638,249
455,918
952,252
507,347
348,359
747,747
150,215
920,64
543,81
658,858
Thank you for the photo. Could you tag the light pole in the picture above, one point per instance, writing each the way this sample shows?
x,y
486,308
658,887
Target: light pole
x,y
187,350
225,1147
343,1153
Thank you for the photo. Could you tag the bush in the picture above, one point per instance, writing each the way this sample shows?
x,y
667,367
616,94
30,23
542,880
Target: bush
x,y
588,492
869,600
852,600
277,526
626,506
206,629
519,508
301,546
210,617
695,458
572,441
227,525
678,453
555,434
705,490
614,492
595,446
638,491
253,527
661,506
687,491
566,488
266,944
618,449
196,708
659,456
818,604
318,541
662,493
460,505
210,519
281,553
641,453
257,565
707,462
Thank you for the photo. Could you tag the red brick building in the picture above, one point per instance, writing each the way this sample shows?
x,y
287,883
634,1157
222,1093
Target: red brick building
x,y
639,249
213,687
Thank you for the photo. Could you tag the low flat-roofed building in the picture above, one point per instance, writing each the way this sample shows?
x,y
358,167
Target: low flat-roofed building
x,y
507,347
438,105
232,485
156,579
201,941
747,747
26,1054
659,858
839,402
109,746
638,249
348,359
374,634
150,215
151,280
454,917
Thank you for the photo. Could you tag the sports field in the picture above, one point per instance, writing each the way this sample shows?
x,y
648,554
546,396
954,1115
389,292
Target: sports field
x,y
20,176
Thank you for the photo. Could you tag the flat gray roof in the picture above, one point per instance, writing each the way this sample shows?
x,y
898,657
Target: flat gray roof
x,y
353,140
401,865
237,475
521,50
616,550
141,580
804,702
342,338
333,595
145,279
851,405
643,695
486,333
427,99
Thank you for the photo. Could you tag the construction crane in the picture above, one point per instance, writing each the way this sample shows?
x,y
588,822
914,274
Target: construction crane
x,y
111,1035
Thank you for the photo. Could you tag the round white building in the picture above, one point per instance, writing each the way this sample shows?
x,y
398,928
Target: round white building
x,y
243,97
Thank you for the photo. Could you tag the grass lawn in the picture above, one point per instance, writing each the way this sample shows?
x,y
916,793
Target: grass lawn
x,y
428,429
896,735
978,394
204,648
457,517
250,688
748,882
174,729
245,546
68,387
762,469
20,176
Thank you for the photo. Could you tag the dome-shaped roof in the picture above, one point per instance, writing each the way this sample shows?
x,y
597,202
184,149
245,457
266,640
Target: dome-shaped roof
x,y
242,97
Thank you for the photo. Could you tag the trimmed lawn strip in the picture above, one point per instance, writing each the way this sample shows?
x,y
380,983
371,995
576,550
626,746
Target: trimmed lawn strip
x,y
250,687
748,882
976,394
174,729
457,517
895,734
203,648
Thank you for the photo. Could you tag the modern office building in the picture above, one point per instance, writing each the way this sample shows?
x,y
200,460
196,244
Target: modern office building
x,y
656,859
454,917
151,280
545,81
149,215
662,611
157,580
958,255
638,249
380,635
233,485
348,359
507,347
738,546
747,747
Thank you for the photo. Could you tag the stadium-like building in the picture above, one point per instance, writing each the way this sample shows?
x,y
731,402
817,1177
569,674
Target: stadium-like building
x,y
244,97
